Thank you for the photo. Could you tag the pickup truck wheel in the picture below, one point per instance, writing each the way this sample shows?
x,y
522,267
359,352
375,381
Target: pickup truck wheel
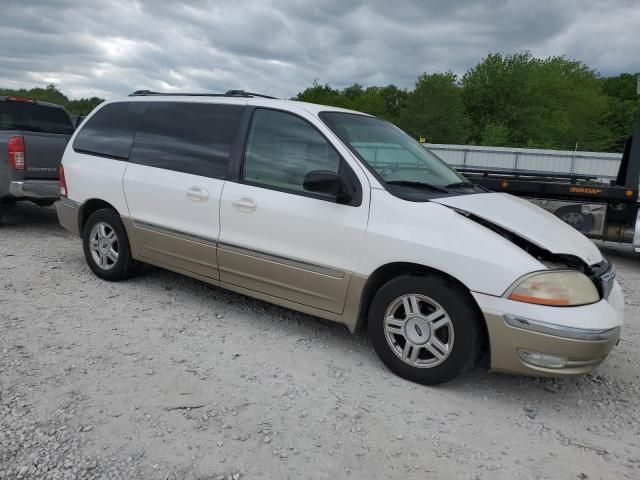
x,y
106,246
425,328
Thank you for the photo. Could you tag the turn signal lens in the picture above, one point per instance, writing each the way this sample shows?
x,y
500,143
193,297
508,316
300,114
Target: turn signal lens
x,y
560,289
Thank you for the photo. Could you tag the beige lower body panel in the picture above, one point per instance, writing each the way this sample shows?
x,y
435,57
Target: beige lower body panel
x,y
334,296
349,317
175,252
583,356
68,212
278,279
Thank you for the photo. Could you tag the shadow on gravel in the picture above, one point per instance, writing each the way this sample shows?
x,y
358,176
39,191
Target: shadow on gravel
x,y
31,216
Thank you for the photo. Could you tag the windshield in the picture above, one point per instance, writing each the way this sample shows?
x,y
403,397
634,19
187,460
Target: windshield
x,y
392,154
32,117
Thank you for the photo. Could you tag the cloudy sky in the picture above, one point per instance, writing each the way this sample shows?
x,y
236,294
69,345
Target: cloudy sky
x,y
112,47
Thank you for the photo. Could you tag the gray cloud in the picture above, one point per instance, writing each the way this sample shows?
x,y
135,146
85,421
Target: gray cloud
x,y
112,47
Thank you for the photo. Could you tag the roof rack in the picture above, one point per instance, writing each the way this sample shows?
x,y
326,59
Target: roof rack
x,y
229,93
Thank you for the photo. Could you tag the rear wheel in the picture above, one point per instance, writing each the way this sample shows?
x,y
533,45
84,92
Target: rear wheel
x,y
425,328
106,246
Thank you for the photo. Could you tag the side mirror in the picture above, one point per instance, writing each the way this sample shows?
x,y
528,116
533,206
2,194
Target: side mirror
x,y
326,182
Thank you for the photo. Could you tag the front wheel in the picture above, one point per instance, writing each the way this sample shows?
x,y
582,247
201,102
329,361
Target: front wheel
x,y
425,328
106,246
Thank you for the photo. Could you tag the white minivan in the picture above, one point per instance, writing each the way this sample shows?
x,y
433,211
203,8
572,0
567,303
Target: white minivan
x,y
341,215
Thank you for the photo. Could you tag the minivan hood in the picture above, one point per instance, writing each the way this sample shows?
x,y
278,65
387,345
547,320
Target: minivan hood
x,y
527,220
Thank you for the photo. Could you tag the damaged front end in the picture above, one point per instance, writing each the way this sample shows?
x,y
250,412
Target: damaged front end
x,y
602,274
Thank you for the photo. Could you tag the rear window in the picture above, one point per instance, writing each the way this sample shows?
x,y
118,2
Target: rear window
x,y
185,137
110,131
32,117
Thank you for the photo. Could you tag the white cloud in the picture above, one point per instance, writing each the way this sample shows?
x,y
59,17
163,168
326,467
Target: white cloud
x,y
113,47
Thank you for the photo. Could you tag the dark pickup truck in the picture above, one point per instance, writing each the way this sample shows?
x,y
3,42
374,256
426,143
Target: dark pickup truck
x,y
33,136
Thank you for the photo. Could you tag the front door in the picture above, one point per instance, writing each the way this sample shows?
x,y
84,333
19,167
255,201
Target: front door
x,y
278,239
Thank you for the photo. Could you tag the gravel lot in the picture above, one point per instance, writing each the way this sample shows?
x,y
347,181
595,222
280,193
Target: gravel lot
x,y
165,377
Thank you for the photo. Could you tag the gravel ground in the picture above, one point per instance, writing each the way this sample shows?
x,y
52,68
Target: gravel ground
x,y
164,377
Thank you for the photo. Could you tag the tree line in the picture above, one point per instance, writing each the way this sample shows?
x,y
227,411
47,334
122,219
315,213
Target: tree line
x,y
514,100
51,94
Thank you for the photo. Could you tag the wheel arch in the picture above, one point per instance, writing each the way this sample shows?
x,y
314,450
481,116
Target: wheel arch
x,y
392,270
90,206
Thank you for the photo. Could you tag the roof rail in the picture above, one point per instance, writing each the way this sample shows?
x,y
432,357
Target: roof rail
x,y
242,93
230,93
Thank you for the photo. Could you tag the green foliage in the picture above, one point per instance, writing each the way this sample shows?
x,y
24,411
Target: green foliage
x,y
550,103
495,135
435,110
623,106
386,102
51,94
512,100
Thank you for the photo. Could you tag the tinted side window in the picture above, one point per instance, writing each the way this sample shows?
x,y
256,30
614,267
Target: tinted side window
x,y
192,138
111,130
282,149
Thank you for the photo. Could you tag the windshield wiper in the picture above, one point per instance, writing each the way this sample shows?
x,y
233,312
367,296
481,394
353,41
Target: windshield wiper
x,y
461,185
409,183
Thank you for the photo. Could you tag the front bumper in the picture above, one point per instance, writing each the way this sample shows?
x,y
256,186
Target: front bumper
x,y
45,189
68,215
551,341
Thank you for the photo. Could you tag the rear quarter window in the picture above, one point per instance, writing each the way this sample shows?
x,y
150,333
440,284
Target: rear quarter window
x,y
192,138
110,131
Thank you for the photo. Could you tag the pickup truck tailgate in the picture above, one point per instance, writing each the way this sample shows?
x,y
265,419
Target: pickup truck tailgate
x,y
43,152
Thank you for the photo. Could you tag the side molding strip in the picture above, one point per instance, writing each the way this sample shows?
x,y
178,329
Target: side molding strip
x,y
177,233
321,269
292,262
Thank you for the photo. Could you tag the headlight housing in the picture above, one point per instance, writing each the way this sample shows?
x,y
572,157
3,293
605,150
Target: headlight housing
x,y
559,289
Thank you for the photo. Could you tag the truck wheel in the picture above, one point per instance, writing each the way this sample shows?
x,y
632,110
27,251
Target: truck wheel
x,y
426,329
573,216
106,246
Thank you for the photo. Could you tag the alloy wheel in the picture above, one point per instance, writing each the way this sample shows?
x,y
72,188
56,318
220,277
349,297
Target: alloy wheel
x,y
103,245
419,331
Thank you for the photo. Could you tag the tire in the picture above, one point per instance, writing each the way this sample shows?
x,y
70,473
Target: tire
x,y
106,246
574,217
446,316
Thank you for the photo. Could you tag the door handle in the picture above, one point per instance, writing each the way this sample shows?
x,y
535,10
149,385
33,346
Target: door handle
x,y
197,194
244,204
